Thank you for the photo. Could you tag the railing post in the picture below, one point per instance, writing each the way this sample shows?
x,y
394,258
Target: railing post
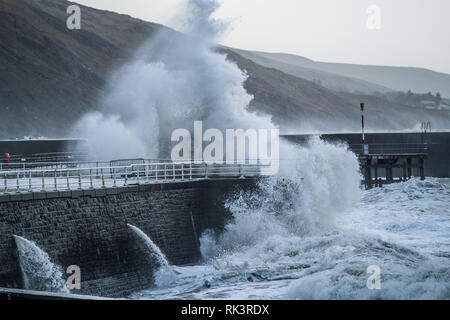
x,y
79,180
43,181
30,188
190,170
206,170
126,177
114,173
56,182
139,174
103,179
182,171
6,184
68,182
165,172
18,184
156,172
147,169
173,169
90,179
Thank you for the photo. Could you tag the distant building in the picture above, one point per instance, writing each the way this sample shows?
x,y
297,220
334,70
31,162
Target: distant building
x,y
428,104
443,106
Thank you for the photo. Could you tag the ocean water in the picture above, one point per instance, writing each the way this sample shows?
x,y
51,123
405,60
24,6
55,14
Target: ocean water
x,y
311,233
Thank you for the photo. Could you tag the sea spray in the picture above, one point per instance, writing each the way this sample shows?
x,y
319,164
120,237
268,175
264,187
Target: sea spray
x,y
38,272
315,186
164,274
152,249
172,81
312,233
285,228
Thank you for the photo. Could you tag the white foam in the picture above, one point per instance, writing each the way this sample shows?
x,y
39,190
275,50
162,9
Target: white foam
x,y
38,272
315,186
293,240
153,249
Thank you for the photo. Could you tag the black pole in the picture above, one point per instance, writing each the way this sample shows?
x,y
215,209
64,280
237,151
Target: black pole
x,y
362,124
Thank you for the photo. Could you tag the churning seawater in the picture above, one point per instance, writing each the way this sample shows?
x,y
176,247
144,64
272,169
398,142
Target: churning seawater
x,y
311,233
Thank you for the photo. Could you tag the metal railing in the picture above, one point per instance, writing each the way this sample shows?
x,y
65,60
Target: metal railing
x,y
23,166
85,175
49,157
391,148
51,165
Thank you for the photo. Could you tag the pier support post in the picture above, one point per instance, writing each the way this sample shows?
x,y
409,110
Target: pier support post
x,y
395,167
409,162
422,169
389,175
368,173
404,171
376,174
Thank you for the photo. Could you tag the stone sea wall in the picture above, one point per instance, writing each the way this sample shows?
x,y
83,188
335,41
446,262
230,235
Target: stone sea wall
x,y
89,229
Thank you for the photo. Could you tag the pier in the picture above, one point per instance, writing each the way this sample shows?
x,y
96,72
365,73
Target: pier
x,y
393,157
386,163
374,164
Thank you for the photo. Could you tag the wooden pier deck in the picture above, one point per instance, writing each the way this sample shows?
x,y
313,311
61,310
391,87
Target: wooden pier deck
x,y
381,169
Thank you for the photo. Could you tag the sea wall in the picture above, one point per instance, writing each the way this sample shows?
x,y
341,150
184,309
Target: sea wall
x,y
89,229
28,147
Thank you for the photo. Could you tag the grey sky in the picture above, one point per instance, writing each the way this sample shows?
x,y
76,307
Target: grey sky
x,y
413,32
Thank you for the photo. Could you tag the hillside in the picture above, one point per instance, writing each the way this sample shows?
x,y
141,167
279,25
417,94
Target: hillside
x,y
302,105
307,71
50,76
395,78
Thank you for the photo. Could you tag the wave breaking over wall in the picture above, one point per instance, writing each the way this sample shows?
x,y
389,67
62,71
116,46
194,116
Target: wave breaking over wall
x,y
317,184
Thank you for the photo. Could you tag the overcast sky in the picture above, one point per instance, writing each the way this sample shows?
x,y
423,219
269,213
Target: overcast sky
x,y
413,32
